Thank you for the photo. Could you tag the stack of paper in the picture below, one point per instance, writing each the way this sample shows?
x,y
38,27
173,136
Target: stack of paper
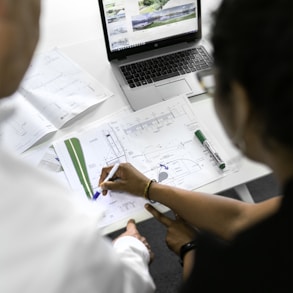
x,y
54,91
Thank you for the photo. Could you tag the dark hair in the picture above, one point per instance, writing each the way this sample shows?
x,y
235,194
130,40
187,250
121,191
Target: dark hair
x,y
253,45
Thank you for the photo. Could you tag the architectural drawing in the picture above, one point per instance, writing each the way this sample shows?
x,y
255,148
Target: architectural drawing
x,y
158,140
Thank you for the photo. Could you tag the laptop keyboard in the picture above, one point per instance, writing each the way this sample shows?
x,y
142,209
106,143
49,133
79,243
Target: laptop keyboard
x,y
163,67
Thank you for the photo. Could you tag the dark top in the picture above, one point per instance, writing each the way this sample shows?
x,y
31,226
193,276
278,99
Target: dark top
x,y
257,260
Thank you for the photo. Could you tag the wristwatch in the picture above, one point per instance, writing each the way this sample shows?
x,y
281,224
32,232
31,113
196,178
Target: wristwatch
x,y
187,247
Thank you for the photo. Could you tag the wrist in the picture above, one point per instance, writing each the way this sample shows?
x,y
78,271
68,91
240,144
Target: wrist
x,y
188,263
146,193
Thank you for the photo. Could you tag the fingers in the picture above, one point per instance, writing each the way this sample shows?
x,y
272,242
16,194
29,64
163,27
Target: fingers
x,y
131,227
112,185
109,183
110,180
127,179
104,173
132,230
159,216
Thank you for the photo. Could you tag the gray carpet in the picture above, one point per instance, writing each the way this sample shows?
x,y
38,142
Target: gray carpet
x,y
166,269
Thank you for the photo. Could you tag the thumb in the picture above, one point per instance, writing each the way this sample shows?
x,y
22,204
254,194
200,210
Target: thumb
x,y
131,226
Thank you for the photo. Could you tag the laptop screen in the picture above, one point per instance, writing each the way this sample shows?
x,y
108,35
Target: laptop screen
x,y
138,25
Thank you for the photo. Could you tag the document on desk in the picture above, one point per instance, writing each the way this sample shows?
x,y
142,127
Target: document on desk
x,y
158,140
54,91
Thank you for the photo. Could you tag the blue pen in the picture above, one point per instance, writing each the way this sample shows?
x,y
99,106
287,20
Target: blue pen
x,y
110,175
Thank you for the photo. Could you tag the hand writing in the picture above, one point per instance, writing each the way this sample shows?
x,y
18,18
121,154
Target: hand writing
x,y
127,178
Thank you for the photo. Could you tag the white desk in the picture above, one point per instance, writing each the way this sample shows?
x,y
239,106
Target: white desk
x,y
74,26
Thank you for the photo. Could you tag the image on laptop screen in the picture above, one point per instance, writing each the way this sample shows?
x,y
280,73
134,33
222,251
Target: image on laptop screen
x,y
136,23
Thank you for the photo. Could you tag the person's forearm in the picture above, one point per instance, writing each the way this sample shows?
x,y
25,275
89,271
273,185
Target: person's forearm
x,y
188,264
214,213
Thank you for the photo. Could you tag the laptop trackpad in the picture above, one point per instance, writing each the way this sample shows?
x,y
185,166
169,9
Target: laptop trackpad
x,y
173,89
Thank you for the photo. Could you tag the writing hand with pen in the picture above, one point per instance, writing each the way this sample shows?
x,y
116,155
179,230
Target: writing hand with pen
x,y
126,178
179,235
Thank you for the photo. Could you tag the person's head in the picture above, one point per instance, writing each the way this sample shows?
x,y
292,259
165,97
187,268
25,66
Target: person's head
x,y
252,41
19,33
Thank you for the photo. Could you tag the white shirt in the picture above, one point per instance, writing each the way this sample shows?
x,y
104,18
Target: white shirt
x,y
48,244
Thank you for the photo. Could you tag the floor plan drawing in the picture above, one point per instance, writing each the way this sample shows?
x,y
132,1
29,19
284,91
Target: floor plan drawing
x,y
158,140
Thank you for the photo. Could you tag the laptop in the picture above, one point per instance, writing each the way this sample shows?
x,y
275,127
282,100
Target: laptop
x,y
155,48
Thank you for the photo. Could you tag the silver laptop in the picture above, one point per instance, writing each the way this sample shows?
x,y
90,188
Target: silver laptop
x,y
155,48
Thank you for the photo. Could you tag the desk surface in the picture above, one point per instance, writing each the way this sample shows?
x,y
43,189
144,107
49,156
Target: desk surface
x,y
75,27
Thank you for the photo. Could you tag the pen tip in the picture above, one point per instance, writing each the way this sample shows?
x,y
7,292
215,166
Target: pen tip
x,y
96,195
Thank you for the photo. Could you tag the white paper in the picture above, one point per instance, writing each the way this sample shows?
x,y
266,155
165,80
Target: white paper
x,y
54,91
158,140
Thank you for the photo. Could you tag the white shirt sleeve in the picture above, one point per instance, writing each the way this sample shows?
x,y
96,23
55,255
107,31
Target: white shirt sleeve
x,y
136,257
97,266
49,244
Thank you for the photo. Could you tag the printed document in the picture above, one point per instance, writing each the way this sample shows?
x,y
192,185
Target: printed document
x,y
54,91
158,140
